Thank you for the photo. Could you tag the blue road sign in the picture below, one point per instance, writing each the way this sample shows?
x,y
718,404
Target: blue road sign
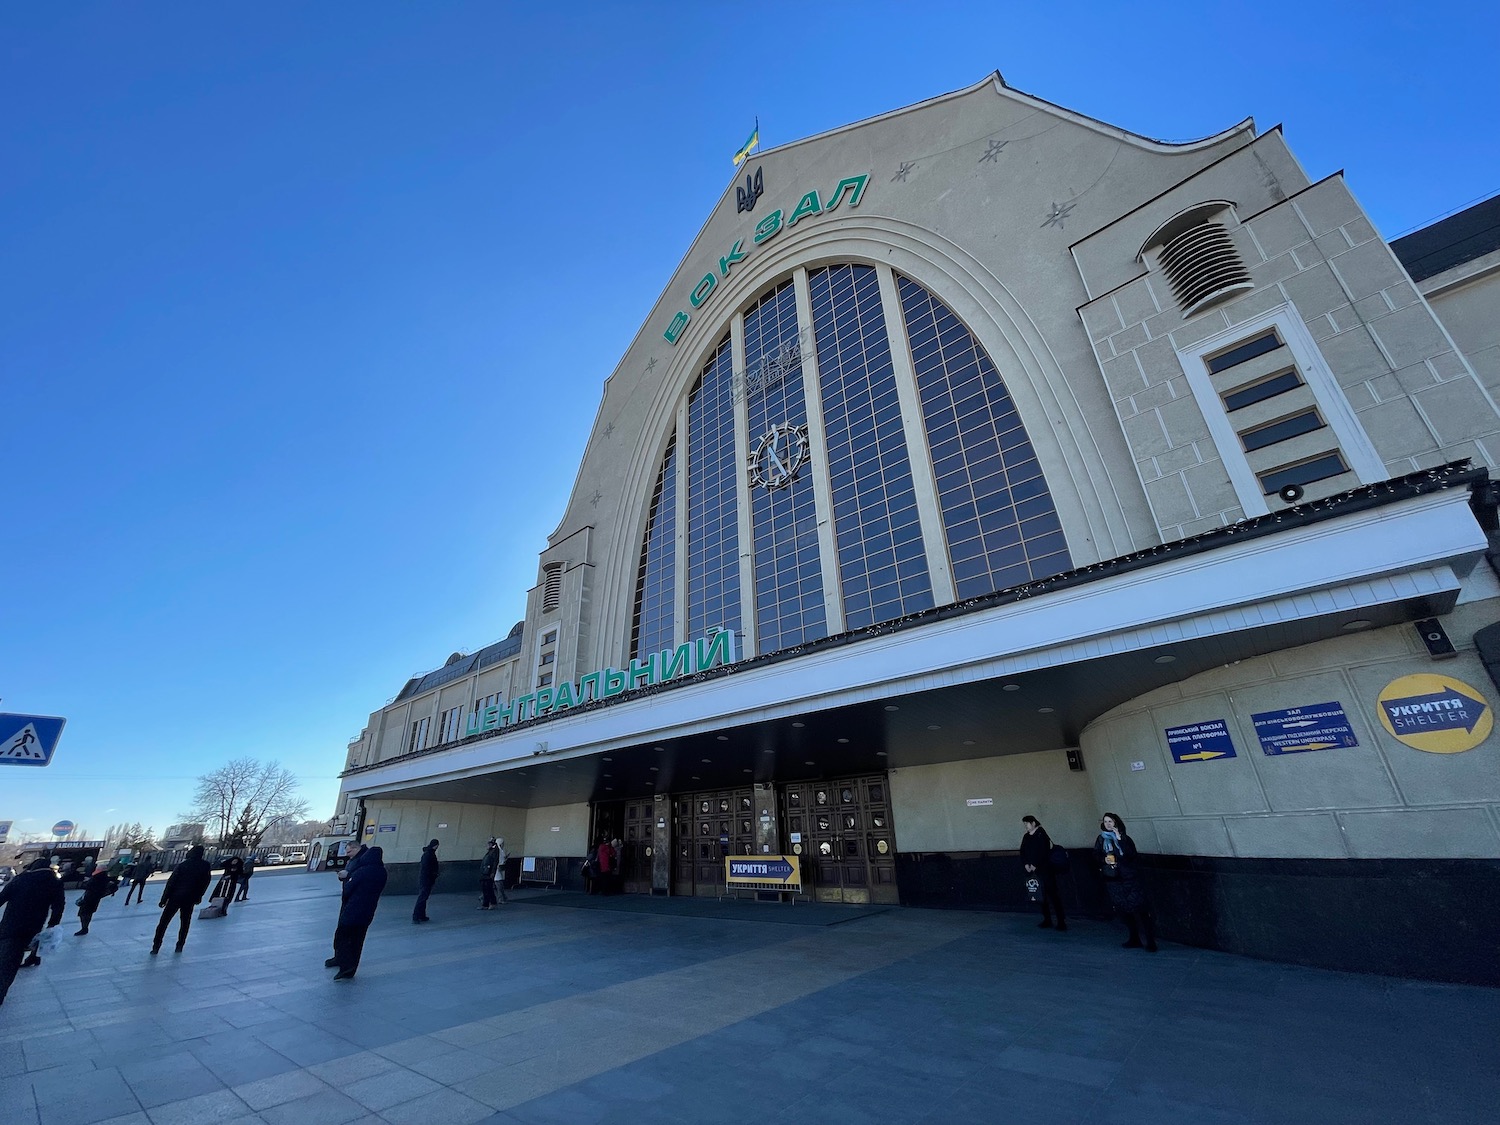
x,y
1200,742
1318,726
29,740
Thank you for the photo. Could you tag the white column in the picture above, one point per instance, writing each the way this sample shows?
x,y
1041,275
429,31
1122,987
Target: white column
x,y
924,482
817,443
744,520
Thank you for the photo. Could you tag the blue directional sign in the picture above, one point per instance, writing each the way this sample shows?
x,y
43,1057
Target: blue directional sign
x,y
1318,726
29,740
1200,742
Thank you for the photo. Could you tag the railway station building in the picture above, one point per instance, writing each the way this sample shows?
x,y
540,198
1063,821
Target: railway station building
x,y
982,459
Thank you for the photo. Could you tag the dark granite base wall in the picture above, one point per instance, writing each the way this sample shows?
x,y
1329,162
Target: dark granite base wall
x,y
1432,919
463,875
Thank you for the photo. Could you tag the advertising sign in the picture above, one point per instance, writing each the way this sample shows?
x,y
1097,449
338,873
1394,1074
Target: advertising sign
x,y
63,828
1436,714
784,870
1200,742
1297,730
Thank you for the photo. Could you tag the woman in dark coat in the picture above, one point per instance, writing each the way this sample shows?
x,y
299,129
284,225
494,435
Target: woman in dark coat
x,y
362,889
95,890
1116,855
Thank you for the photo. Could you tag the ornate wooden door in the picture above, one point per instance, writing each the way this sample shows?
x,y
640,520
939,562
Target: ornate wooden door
x,y
843,832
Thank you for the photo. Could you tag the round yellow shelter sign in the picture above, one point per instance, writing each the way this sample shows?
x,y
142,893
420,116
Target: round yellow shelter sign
x,y
1437,714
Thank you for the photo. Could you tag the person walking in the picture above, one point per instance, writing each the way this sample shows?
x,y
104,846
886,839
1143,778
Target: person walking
x,y
142,870
427,876
617,880
351,861
95,891
500,858
185,889
32,899
1036,857
604,867
1116,855
246,871
234,868
487,866
361,895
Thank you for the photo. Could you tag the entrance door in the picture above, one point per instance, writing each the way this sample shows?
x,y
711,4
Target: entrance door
x,y
637,843
707,827
842,830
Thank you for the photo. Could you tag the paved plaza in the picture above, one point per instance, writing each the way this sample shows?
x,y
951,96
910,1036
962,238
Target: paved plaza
x,y
559,1009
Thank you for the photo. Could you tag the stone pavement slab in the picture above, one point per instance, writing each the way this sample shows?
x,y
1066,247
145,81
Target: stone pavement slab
x,y
623,1011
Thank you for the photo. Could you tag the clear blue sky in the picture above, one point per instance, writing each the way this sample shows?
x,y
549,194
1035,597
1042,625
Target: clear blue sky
x,y
305,310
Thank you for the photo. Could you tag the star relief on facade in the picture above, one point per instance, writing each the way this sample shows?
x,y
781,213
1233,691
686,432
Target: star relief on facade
x,y
992,151
906,169
778,457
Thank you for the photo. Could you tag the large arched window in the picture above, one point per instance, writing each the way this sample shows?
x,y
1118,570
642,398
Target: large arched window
x,y
998,516
713,541
654,595
882,564
788,580
981,501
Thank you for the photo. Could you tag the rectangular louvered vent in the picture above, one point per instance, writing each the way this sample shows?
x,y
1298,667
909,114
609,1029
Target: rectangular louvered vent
x,y
551,587
1202,266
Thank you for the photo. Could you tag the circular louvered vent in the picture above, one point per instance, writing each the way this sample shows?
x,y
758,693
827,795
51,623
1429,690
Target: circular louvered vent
x,y
1202,265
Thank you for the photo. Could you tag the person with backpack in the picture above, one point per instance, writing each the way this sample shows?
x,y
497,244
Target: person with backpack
x,y
1037,858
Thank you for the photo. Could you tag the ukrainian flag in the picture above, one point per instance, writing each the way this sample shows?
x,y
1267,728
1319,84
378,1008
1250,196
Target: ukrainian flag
x,y
750,143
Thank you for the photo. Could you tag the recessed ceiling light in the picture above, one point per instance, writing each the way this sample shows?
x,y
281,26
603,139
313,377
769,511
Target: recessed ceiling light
x,y
609,788
723,738
660,749
768,751
933,726
843,741
1044,710
891,707
1011,687
706,761
655,769
609,775
1166,658
607,759
880,753
968,742
799,726
1356,625
809,763
697,778
747,771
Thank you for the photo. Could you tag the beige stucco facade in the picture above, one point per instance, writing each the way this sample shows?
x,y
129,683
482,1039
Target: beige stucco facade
x,y
1049,237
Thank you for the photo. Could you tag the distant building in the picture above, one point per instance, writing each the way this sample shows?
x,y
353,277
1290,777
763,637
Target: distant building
x,y
984,459
182,836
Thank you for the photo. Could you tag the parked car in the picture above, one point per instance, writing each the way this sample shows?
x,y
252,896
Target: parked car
x,y
274,857
297,857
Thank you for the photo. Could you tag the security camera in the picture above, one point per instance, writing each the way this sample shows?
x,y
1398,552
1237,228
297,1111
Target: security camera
x,y
1291,493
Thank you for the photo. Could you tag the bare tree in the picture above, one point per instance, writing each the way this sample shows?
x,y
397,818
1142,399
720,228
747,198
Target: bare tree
x,y
242,799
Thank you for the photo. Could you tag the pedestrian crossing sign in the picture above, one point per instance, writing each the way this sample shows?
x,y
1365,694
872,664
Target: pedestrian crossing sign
x,y
29,740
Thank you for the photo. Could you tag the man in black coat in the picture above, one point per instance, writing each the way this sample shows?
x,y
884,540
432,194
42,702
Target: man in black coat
x,y
1036,857
427,876
185,889
139,873
95,891
362,887
28,899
